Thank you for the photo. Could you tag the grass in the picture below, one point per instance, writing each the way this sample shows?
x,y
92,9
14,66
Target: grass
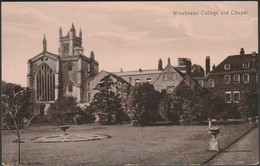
x,y
127,145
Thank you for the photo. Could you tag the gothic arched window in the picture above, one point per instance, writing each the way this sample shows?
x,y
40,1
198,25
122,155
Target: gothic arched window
x,y
45,83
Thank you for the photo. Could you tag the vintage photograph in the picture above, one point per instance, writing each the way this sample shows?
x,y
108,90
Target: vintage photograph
x,y
129,83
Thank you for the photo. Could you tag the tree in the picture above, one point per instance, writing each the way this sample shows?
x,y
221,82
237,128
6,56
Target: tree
x,y
106,103
64,109
143,104
198,105
248,106
17,110
170,106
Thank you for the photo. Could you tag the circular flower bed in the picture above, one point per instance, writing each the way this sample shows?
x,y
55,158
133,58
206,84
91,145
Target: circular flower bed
x,y
70,138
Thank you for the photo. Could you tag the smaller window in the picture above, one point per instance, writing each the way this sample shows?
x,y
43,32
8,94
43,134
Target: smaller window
x,y
246,78
137,81
119,84
236,78
41,59
246,65
211,83
88,68
173,76
228,97
148,79
70,66
119,93
236,96
125,95
46,59
165,76
70,87
130,80
227,79
125,86
227,66
200,82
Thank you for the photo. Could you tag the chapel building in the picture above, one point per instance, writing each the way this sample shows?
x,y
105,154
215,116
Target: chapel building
x,y
52,76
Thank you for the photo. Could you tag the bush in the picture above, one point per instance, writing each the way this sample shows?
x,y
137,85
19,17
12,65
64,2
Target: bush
x,y
199,105
170,106
248,106
143,104
63,110
88,114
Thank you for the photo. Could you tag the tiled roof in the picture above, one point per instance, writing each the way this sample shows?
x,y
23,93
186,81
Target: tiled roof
x,y
236,62
137,72
118,77
111,74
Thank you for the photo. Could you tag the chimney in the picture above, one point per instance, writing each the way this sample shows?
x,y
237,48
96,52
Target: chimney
x,y
92,56
207,64
160,64
213,67
242,52
169,61
140,70
188,66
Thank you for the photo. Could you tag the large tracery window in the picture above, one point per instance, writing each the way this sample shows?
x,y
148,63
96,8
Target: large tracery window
x,y
45,83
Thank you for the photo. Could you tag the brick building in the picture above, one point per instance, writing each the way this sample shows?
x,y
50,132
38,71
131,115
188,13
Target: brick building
x,y
233,77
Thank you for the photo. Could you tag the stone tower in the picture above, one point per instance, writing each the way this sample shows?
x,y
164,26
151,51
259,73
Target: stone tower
x,y
71,44
64,74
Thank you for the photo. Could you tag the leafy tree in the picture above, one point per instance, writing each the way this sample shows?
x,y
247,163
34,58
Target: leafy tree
x,y
143,104
170,106
17,110
248,106
198,105
106,103
63,110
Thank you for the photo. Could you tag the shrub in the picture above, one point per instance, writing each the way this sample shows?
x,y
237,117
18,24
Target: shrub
x,y
143,104
63,110
198,105
248,106
170,106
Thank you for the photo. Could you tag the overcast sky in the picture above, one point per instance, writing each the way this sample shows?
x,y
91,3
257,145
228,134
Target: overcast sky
x,y
127,35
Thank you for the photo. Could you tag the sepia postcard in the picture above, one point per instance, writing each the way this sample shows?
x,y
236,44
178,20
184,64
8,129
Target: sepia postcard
x,y
129,83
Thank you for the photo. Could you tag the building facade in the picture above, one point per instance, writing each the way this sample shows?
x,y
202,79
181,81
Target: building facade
x,y
234,77
64,74
121,86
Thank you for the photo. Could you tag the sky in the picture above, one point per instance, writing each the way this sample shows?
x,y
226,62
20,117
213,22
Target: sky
x,y
128,35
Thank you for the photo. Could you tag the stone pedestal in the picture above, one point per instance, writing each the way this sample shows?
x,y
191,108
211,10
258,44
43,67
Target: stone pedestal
x,y
214,144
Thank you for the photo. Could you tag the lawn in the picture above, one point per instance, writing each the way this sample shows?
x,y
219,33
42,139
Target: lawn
x,y
127,145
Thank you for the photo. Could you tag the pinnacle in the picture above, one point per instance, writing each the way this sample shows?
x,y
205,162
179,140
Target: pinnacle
x,y
72,27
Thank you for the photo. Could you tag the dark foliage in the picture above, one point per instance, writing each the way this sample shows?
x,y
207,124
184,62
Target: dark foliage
x,y
106,103
248,106
170,106
63,110
143,104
